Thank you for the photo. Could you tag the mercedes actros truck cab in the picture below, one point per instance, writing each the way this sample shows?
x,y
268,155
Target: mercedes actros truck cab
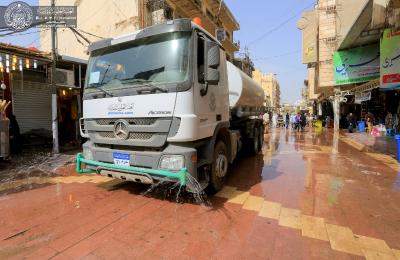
x,y
164,104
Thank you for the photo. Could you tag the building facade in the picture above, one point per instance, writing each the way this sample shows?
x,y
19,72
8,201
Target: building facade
x,y
366,61
342,42
102,19
271,87
26,78
318,28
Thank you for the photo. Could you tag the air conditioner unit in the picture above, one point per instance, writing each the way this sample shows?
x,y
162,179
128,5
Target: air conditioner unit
x,y
65,78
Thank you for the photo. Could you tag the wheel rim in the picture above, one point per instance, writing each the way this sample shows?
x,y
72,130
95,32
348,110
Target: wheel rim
x,y
221,166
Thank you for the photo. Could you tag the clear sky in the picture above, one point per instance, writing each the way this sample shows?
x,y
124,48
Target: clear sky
x,y
267,28
273,39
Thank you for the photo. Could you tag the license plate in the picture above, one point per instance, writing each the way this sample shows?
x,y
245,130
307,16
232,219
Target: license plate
x,y
121,159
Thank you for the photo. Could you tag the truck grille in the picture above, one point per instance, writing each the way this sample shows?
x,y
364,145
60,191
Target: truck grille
x,y
132,136
143,132
132,121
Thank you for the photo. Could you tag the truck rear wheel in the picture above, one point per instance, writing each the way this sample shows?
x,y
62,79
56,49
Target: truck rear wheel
x,y
219,167
254,143
261,138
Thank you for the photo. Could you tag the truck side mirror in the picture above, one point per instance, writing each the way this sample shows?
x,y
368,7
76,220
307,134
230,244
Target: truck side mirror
x,y
213,62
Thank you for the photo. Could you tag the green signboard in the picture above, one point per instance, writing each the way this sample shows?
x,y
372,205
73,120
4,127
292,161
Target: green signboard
x,y
356,65
390,59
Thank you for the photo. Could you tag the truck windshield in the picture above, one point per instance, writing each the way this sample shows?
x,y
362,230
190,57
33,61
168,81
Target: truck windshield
x,y
152,61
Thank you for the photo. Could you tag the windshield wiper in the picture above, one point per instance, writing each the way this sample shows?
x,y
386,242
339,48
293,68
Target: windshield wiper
x,y
148,87
151,89
98,86
135,80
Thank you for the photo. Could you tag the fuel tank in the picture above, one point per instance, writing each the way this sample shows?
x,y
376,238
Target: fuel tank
x,y
244,92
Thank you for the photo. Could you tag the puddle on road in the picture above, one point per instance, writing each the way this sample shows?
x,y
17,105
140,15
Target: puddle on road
x,y
31,170
335,187
38,164
370,173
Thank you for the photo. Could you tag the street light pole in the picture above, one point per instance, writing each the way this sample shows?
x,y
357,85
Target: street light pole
x,y
54,119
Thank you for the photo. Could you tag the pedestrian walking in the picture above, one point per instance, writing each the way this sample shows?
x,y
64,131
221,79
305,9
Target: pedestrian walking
x,y
369,118
303,121
274,120
266,121
14,135
328,122
287,120
293,120
297,122
351,122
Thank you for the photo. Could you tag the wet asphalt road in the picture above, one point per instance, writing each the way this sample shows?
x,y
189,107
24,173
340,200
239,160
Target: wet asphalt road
x,y
306,196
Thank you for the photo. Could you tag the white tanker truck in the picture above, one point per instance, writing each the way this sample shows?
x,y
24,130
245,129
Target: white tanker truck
x,y
163,103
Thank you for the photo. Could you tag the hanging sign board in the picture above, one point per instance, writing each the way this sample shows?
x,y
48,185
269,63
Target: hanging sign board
x,y
362,97
390,60
356,65
20,16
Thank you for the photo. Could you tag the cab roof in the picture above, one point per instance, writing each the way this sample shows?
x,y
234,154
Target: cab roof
x,y
178,25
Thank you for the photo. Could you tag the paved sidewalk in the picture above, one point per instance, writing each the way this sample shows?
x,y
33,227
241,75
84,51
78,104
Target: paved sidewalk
x,y
306,196
383,144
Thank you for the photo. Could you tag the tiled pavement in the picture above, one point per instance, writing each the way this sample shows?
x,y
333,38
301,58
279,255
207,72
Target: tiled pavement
x,y
341,238
308,196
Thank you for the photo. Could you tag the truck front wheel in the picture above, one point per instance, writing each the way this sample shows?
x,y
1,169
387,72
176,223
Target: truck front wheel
x,y
219,167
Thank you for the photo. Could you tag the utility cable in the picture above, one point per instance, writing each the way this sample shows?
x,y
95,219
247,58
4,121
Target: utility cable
x,y
76,33
18,32
277,56
280,25
77,39
91,34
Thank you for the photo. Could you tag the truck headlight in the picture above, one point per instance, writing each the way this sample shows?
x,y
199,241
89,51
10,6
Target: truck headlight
x,y
172,162
87,153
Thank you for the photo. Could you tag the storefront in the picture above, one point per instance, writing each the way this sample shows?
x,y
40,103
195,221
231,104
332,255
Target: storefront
x,y
356,74
25,74
70,79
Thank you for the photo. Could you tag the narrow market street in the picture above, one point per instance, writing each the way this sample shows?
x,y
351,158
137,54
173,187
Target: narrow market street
x,y
308,195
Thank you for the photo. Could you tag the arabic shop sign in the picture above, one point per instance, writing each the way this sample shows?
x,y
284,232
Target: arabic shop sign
x,y
390,59
356,65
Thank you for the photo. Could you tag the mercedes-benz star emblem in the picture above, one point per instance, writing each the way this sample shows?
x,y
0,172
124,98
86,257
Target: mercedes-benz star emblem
x,y
121,129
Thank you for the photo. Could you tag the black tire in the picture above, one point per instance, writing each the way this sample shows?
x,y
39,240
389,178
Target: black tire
x,y
261,138
254,143
219,168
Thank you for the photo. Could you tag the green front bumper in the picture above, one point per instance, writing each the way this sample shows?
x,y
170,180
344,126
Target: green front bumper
x,y
180,176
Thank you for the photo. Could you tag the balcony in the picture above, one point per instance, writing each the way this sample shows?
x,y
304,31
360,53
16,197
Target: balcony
x,y
225,15
230,46
193,8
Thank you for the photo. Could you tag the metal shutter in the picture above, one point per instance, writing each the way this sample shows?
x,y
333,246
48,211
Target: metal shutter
x,y
32,105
